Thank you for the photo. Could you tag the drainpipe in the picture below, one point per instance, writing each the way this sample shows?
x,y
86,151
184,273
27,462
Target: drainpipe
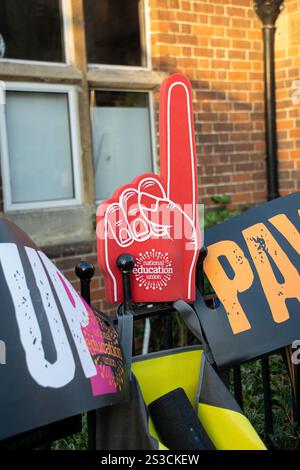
x,y
268,11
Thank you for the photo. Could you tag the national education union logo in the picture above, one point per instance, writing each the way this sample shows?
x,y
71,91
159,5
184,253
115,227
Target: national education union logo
x,y
153,270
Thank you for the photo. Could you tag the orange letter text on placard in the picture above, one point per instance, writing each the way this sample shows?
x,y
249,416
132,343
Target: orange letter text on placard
x,y
228,289
264,248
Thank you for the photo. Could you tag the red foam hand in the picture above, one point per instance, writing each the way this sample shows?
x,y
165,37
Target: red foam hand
x,y
155,219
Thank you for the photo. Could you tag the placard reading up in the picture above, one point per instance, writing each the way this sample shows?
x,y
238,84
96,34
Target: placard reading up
x,y
60,360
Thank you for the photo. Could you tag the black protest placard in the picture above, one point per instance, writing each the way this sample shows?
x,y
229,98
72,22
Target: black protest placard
x,y
60,359
253,265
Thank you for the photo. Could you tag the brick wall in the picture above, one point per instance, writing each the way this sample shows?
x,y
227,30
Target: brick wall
x,y
288,109
218,46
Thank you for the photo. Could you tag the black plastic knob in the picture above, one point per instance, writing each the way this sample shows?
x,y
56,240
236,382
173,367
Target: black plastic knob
x,y
125,263
85,270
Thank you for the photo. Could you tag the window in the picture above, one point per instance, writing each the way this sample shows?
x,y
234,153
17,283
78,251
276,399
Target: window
x,y
31,30
40,146
122,140
115,32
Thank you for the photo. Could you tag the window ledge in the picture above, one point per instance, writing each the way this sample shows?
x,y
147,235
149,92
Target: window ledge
x,y
124,78
39,72
58,225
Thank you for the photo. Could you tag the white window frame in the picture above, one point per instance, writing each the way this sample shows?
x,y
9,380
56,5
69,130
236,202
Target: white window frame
x,y
67,35
147,51
151,122
71,92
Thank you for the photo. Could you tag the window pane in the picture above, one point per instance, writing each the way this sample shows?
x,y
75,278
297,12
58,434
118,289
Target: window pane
x,y
121,139
31,30
114,32
39,146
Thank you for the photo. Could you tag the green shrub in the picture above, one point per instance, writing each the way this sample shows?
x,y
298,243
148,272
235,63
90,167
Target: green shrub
x,y
220,213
